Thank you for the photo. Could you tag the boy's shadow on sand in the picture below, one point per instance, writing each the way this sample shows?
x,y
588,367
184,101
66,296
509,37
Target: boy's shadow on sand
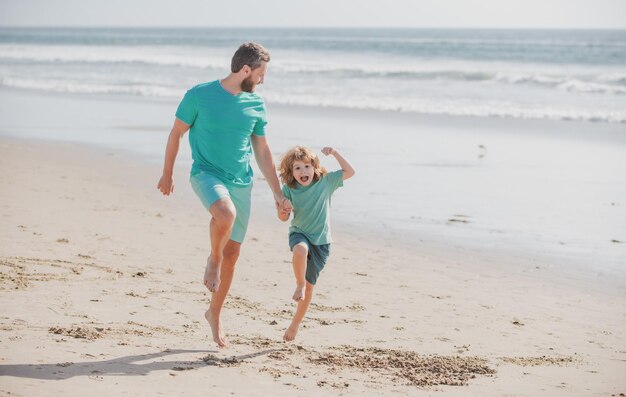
x,y
124,366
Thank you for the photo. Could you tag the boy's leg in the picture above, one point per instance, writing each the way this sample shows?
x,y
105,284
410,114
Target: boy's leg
x,y
312,262
303,306
300,253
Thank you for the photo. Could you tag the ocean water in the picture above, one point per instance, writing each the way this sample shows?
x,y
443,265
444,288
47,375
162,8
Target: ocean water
x,y
529,74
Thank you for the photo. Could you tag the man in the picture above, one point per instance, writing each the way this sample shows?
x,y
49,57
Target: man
x,y
227,121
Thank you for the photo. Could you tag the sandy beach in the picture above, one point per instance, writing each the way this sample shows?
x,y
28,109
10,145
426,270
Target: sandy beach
x,y
101,295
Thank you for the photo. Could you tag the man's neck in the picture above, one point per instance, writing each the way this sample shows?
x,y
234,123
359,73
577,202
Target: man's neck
x,y
231,84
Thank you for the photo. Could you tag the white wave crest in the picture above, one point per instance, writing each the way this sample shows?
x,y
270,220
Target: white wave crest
x,y
456,108
163,56
72,87
460,107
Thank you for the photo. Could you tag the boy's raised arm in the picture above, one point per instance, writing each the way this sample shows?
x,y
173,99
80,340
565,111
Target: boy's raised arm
x,y
346,167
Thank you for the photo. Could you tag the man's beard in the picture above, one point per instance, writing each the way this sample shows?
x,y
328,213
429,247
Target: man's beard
x,y
247,85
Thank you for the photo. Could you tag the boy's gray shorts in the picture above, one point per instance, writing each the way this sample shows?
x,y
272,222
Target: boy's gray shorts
x,y
316,259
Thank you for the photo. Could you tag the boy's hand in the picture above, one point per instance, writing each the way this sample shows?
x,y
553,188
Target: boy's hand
x,y
348,171
287,206
328,150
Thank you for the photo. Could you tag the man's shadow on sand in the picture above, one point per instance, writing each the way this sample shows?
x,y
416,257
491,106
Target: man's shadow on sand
x,y
124,366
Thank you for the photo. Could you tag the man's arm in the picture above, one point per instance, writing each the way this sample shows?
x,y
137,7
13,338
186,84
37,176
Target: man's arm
x,y
264,159
166,183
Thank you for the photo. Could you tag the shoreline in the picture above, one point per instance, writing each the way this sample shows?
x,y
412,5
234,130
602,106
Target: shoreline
x,y
549,268
132,136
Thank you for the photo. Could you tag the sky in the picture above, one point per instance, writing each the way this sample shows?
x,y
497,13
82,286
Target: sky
x,y
567,14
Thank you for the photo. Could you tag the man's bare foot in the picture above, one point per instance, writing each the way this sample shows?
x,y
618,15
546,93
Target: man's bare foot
x,y
216,329
212,275
298,294
291,332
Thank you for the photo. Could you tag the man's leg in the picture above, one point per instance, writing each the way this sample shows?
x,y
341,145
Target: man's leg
x,y
223,217
239,207
213,314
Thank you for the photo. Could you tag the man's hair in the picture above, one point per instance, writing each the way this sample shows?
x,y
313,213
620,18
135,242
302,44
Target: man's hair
x,y
299,153
251,54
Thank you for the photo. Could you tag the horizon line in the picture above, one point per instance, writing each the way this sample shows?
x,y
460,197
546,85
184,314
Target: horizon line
x,y
300,27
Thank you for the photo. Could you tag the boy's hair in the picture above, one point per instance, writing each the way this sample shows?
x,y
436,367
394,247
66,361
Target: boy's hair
x,y
251,54
299,153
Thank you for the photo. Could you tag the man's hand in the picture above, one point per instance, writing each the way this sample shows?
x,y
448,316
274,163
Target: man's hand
x,y
166,185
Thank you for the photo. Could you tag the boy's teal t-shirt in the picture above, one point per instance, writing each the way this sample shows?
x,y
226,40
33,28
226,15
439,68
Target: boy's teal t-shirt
x,y
221,126
311,207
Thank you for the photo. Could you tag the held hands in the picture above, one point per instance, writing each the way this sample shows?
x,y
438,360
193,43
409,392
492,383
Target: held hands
x,y
282,203
284,207
166,185
328,151
287,206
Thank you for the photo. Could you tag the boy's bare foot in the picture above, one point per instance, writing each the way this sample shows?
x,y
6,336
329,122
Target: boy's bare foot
x,y
298,294
216,329
212,275
291,332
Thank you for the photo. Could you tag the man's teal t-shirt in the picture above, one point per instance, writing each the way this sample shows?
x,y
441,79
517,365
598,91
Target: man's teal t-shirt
x,y
221,126
311,207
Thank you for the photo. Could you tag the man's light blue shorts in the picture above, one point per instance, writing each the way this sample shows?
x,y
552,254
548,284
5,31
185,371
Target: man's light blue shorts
x,y
210,188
